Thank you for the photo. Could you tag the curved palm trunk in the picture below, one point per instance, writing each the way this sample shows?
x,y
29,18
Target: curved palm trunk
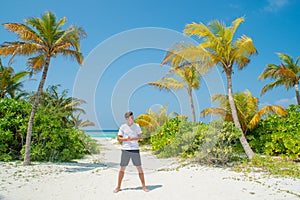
x,y
33,111
192,104
243,139
297,93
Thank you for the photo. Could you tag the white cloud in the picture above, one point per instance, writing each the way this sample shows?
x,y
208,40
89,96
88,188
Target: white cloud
x,y
282,102
286,102
275,5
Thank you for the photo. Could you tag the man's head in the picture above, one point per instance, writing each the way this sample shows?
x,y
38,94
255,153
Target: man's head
x,y
129,117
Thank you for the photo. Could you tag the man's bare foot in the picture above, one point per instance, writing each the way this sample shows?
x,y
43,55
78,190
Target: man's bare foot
x,y
117,190
146,189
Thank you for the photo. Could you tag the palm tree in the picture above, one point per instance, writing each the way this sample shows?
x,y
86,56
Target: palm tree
x,y
190,79
287,74
154,119
218,48
67,106
45,40
78,122
10,82
247,109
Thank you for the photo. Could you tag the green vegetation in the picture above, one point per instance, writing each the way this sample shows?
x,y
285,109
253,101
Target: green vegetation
x,y
218,48
247,109
44,125
52,139
153,120
286,74
44,39
210,143
189,78
276,135
277,167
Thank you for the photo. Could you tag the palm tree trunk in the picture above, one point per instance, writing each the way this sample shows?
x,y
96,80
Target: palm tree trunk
x,y
297,93
192,104
243,139
33,111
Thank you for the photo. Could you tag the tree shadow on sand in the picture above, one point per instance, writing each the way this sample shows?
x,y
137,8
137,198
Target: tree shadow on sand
x,y
73,167
150,187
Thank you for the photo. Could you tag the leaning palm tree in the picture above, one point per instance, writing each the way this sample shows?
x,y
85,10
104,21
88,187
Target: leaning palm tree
x,y
189,78
10,82
42,38
247,109
219,45
286,74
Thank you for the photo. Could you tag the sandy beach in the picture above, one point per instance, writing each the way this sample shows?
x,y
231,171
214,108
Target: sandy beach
x,y
94,177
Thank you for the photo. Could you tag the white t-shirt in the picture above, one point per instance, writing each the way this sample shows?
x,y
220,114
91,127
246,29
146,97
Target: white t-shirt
x,y
130,131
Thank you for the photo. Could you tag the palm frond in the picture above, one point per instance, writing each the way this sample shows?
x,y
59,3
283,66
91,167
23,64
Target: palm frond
x,y
244,48
72,37
167,84
72,54
276,83
286,59
24,32
200,30
271,71
235,24
267,110
36,63
214,111
284,71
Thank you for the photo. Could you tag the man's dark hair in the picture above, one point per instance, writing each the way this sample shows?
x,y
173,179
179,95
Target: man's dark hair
x,y
128,114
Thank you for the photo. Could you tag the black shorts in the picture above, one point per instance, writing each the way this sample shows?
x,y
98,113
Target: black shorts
x,y
134,155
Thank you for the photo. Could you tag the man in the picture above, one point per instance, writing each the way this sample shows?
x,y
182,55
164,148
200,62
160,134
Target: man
x,y
129,134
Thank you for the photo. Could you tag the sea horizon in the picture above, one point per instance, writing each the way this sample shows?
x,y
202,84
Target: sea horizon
x,y
102,133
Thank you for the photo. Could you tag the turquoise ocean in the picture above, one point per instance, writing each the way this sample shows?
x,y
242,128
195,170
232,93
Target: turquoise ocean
x,y
102,133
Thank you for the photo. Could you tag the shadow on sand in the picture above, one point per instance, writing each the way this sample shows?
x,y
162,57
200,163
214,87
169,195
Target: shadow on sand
x,y
73,167
150,187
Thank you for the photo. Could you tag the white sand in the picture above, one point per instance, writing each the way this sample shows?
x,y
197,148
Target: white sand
x,y
95,178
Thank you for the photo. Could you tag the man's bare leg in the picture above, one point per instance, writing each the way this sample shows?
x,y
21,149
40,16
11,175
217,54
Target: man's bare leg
x,y
142,178
120,178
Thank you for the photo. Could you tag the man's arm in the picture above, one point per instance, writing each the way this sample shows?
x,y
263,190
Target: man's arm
x,y
121,139
139,137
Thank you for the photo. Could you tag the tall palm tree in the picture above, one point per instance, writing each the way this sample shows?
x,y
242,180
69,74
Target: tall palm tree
x,y
189,79
286,74
247,109
43,38
219,45
10,82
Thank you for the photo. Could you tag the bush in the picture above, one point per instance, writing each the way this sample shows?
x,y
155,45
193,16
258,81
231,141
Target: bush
x,y
51,140
216,143
13,119
165,134
276,135
185,141
211,144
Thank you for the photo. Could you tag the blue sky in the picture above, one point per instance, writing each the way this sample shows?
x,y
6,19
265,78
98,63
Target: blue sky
x,y
127,41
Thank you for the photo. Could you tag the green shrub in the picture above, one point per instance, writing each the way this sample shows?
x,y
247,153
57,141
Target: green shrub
x,y
51,140
216,143
212,143
13,119
185,142
276,135
165,134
